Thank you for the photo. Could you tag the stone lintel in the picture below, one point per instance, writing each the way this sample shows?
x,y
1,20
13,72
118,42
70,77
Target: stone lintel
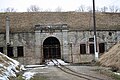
x,y
51,27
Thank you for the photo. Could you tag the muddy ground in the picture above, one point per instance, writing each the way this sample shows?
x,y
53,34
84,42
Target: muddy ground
x,y
54,73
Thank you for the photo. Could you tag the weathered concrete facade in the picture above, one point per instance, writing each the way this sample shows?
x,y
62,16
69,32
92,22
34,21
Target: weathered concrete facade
x,y
73,45
69,41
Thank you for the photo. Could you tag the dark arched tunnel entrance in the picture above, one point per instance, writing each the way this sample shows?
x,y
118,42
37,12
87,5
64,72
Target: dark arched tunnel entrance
x,y
51,48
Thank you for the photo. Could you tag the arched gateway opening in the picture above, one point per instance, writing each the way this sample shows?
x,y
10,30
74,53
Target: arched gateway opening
x,y
51,48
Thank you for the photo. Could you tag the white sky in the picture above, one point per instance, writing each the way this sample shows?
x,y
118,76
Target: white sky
x,y
66,5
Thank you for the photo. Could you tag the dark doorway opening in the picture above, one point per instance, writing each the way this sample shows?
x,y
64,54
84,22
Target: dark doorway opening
x,y
1,49
10,52
82,49
51,48
91,48
101,48
20,51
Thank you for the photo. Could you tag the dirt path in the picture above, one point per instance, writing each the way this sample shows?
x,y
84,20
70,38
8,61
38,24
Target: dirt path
x,y
53,73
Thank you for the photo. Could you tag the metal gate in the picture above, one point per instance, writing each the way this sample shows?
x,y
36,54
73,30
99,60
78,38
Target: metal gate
x,y
51,51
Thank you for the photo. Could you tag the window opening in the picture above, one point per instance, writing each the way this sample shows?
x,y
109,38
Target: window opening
x,y
1,49
20,51
10,52
110,33
82,49
101,48
91,48
91,39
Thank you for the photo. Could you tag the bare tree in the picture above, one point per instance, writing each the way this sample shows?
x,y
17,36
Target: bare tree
x,y
48,10
97,9
89,9
58,9
104,9
113,8
81,9
9,10
33,8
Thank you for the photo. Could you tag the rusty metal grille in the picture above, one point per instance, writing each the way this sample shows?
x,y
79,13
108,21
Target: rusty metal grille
x,y
51,51
51,48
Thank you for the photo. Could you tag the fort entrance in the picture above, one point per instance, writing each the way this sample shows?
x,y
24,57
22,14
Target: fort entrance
x,y
51,48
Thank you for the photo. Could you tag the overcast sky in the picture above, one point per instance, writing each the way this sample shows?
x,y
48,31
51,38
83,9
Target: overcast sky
x,y
66,5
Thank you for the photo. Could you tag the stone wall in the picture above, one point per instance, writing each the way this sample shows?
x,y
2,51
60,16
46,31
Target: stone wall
x,y
20,39
70,50
109,38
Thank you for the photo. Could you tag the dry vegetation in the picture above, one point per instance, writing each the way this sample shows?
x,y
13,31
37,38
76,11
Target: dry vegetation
x,y
112,57
26,21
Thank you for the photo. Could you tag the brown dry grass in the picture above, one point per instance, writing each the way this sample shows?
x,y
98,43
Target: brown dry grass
x,y
26,21
112,57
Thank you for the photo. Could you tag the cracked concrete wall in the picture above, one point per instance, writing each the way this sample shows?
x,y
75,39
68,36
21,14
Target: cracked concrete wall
x,y
32,43
20,39
109,38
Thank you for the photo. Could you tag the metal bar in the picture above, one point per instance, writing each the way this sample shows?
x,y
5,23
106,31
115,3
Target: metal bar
x,y
95,38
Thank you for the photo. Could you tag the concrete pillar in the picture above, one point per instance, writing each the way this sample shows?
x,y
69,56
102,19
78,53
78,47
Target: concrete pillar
x,y
7,30
38,57
15,51
65,54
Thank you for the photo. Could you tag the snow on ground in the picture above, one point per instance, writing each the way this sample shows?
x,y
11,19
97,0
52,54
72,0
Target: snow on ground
x,y
9,67
32,66
62,62
50,63
116,73
28,75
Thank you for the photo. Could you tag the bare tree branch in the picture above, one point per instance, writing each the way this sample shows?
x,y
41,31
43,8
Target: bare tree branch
x,y
89,9
81,9
58,9
113,8
104,9
33,8
9,10
48,10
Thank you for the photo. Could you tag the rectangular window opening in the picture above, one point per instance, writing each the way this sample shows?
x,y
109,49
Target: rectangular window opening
x,y
10,52
20,51
91,48
82,48
1,49
91,39
101,48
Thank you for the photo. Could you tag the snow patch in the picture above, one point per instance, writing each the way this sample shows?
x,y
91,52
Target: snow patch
x,y
31,66
8,67
59,61
62,62
116,73
22,68
49,63
28,75
4,78
1,65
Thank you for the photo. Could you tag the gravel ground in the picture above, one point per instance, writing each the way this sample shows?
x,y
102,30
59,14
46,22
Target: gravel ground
x,y
54,73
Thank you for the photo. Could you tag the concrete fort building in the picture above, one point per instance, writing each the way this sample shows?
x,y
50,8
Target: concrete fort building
x,y
33,37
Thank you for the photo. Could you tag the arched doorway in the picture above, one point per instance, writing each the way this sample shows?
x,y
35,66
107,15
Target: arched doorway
x,y
51,48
